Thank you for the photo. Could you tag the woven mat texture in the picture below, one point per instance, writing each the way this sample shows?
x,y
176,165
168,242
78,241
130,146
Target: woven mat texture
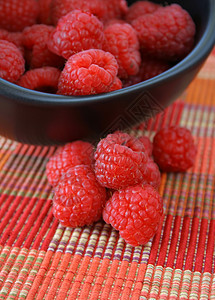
x,y
39,259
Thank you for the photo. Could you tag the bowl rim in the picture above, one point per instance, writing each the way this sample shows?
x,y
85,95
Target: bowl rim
x,y
200,51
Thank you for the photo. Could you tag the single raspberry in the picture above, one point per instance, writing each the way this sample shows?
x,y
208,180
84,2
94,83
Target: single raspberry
x,y
41,79
140,8
114,9
68,156
76,31
147,144
35,39
149,68
13,37
79,199
88,72
36,34
152,174
174,149
61,8
168,33
121,40
45,12
135,212
12,64
120,161
15,15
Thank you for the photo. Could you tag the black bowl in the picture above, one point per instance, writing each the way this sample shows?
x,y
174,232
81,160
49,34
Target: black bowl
x,y
38,118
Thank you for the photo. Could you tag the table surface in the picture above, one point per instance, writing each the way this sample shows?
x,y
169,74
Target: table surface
x,y
40,259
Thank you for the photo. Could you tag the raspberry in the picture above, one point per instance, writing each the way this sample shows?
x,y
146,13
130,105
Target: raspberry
x,y
152,174
147,144
42,79
12,64
62,7
78,198
174,149
35,38
13,37
15,15
149,68
114,9
88,72
135,212
70,155
168,33
120,161
45,11
75,32
121,40
140,8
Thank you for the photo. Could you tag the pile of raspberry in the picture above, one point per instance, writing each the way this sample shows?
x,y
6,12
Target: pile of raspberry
x,y
117,180
86,47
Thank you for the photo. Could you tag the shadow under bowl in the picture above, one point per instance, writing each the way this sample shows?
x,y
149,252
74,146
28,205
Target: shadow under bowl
x,y
34,117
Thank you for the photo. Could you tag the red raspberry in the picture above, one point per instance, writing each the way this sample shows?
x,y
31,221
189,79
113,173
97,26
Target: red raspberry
x,y
149,68
121,40
168,33
13,37
147,144
62,7
152,174
114,9
42,79
78,198
136,212
15,15
120,161
140,8
70,155
88,72
12,64
75,32
45,11
174,149
35,38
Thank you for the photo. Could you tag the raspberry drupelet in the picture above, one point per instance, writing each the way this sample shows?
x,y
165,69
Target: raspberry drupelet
x,y
135,212
120,161
15,15
168,33
68,156
79,199
75,32
121,40
12,64
88,72
174,149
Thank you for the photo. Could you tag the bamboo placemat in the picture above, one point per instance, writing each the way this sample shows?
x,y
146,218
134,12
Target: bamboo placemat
x,y
39,259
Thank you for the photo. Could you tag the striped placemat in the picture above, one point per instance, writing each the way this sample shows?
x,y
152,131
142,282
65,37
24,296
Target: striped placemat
x,y
39,259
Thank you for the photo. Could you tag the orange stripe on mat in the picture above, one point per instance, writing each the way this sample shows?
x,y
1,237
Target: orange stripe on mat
x,y
198,89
